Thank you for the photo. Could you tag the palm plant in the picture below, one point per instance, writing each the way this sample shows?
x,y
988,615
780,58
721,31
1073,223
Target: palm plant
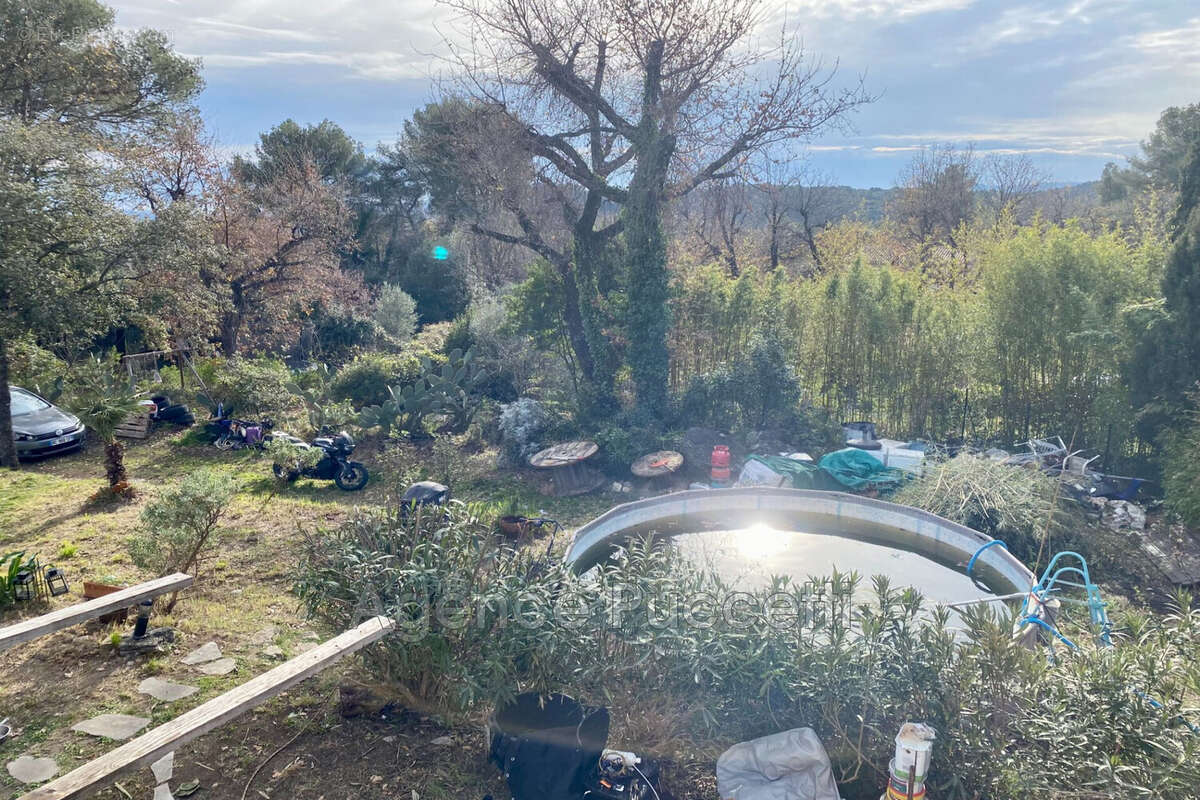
x,y
103,401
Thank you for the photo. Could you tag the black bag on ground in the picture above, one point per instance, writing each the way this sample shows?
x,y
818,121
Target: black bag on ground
x,y
547,746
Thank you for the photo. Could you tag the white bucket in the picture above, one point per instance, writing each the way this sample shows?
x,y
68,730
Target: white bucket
x,y
914,749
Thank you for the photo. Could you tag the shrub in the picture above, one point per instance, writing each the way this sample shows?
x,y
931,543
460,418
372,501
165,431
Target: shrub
x,y
478,621
451,391
522,425
757,392
254,387
178,527
458,337
365,380
1181,471
35,369
337,334
290,457
396,314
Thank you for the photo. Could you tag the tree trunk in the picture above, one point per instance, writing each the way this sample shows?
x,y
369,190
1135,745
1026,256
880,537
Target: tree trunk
x,y
8,450
114,454
231,327
573,319
649,321
231,324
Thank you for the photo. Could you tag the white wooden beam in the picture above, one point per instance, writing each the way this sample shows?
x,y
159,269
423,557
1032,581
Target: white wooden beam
x,y
32,628
166,738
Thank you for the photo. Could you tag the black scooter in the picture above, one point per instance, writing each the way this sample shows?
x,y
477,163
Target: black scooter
x,y
334,465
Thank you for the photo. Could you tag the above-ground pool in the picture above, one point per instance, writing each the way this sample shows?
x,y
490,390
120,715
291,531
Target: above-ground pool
x,y
750,534
748,558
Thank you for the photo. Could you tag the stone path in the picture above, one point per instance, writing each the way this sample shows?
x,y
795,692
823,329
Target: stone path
x,y
112,726
28,769
163,768
265,636
165,690
222,666
203,654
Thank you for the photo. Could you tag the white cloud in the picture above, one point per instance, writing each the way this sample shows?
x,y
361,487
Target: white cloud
x,y
382,40
880,9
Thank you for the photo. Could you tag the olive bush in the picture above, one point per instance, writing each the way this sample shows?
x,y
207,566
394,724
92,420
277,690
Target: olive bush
x,y
178,528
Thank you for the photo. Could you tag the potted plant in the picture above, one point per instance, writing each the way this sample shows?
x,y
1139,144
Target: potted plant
x,y
512,524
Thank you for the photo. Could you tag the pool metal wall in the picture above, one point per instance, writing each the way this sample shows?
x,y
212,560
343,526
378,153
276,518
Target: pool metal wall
x,y
827,513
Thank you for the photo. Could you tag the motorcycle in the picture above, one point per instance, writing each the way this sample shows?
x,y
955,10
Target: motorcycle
x,y
234,434
334,464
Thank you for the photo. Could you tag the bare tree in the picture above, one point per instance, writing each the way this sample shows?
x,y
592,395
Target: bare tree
x,y
717,215
798,203
937,193
1009,184
604,95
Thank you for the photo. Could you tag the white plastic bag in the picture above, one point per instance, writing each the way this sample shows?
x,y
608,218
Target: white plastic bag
x,y
791,765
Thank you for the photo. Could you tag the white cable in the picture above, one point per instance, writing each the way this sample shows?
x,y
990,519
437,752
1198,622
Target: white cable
x,y
647,780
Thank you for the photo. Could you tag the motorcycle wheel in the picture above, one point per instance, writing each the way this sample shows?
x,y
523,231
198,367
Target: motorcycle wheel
x,y
224,442
352,477
284,475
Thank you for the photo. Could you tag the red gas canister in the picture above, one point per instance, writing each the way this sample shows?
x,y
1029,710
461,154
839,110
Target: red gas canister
x,y
720,464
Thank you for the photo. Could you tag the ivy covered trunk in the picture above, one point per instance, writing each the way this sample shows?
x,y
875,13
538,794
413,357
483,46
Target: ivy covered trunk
x,y
114,462
648,316
8,450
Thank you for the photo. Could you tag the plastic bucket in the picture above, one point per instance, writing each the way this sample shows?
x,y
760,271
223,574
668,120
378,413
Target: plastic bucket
x,y
914,748
900,775
896,791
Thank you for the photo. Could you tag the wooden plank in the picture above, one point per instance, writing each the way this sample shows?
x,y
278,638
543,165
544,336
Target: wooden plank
x,y
168,737
29,629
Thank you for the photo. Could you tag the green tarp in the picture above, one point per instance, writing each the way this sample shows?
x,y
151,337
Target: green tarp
x,y
857,470
803,474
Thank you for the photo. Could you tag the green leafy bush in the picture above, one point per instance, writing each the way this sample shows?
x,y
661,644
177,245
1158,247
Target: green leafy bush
x,y
756,392
34,368
177,529
479,621
450,391
459,336
1181,471
396,314
291,457
254,387
365,380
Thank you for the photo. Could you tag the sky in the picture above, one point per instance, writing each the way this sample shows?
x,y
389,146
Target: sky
x,y
1072,83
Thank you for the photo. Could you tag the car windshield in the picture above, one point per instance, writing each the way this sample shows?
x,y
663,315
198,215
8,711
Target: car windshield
x,y
25,403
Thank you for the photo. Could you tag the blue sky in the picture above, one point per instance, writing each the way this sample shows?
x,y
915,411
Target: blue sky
x,y
1074,83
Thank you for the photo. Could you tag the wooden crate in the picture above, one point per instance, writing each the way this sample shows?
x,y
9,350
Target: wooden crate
x,y
137,426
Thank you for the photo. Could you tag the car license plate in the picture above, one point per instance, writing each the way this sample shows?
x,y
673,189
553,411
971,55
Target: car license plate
x,y
59,440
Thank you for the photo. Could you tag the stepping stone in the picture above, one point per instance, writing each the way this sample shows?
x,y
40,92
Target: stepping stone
x,y
112,726
163,768
265,636
222,666
203,654
274,651
28,769
165,690
163,792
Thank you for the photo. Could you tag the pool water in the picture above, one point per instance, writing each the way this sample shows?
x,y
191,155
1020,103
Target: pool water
x,y
749,557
